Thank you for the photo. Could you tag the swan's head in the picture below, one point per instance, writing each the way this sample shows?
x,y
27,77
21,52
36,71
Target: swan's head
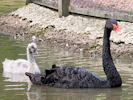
x,y
112,24
32,48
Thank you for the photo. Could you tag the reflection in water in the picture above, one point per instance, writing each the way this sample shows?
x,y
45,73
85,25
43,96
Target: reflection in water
x,y
36,93
15,77
15,86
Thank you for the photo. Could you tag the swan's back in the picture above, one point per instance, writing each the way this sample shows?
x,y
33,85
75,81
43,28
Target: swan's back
x,y
71,77
15,66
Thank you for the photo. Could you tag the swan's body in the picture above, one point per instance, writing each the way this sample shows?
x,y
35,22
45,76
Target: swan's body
x,y
75,77
22,65
15,66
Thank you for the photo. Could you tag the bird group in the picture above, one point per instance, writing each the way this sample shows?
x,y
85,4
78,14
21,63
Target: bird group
x,y
70,76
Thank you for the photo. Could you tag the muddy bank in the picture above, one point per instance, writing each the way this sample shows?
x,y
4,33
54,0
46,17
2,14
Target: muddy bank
x,y
79,33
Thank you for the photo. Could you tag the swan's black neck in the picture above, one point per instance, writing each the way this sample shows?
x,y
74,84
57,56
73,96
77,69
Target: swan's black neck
x,y
110,70
106,47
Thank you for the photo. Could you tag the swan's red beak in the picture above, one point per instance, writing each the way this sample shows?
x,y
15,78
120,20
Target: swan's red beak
x,y
115,28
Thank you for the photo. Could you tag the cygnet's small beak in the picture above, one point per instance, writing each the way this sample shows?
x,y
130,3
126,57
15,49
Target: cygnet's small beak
x,y
36,52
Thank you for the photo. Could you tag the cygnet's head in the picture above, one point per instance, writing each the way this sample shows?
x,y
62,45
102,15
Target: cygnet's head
x,y
32,48
33,38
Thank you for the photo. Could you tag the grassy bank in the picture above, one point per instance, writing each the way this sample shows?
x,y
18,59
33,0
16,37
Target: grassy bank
x,y
7,6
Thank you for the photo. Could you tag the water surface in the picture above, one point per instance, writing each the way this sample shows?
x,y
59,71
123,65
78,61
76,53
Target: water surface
x,y
16,88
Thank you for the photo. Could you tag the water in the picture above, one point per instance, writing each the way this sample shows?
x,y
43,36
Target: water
x,y
48,54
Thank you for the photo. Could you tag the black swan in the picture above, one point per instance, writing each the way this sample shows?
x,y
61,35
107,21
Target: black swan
x,y
75,77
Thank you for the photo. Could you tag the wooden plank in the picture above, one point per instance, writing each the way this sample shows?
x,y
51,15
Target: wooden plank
x,y
28,1
45,4
102,14
86,11
63,7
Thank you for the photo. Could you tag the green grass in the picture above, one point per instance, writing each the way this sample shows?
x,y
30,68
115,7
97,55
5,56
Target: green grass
x,y
7,6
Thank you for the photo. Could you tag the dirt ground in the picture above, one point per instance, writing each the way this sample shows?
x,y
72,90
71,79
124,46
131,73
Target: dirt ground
x,y
18,28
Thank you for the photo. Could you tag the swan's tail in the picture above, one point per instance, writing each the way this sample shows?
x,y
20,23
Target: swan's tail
x,y
5,61
35,78
6,65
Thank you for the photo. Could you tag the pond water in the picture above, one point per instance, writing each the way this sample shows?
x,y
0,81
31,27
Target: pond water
x,y
16,89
